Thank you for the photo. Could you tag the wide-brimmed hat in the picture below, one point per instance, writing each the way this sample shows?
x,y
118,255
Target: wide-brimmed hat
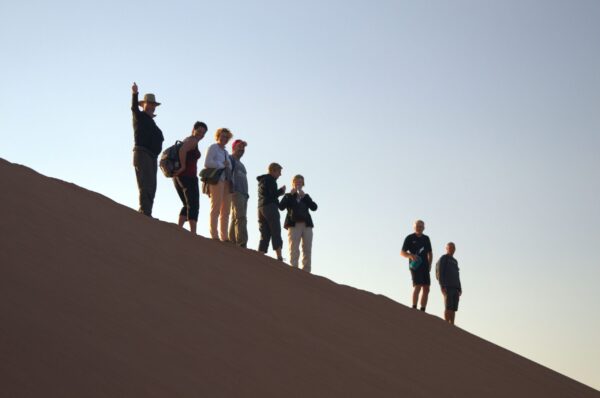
x,y
150,98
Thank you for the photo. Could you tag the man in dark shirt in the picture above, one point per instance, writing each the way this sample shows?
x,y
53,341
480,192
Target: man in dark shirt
x,y
269,222
447,273
417,249
148,145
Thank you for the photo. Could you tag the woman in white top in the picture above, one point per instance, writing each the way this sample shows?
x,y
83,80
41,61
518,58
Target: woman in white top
x,y
220,193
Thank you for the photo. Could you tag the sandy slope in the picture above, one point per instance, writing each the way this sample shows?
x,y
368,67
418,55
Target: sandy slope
x,y
99,301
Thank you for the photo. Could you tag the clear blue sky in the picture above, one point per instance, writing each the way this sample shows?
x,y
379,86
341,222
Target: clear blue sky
x,y
479,117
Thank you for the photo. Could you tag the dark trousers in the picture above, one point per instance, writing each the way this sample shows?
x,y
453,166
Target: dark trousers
x,y
145,172
189,193
269,225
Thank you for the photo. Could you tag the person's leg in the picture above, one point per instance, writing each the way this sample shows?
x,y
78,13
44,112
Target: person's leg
x,y
272,215
415,297
216,198
446,311
424,297
142,161
224,211
265,233
183,212
307,237
192,196
233,224
294,235
242,221
152,180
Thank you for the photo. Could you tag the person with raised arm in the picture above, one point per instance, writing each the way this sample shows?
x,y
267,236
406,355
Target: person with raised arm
x,y
148,140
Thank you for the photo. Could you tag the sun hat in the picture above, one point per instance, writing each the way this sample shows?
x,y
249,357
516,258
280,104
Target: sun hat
x,y
150,98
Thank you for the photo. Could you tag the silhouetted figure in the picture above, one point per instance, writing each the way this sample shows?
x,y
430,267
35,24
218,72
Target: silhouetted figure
x,y
238,230
269,222
186,178
217,157
148,145
447,273
417,248
298,222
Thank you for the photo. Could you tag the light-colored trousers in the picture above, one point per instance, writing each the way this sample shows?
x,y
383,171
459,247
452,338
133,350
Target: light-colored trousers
x,y
220,204
238,230
297,233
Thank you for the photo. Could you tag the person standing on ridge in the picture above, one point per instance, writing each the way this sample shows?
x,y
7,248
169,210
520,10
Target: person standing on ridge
x,y
148,145
447,272
218,158
186,178
417,248
238,230
269,222
298,222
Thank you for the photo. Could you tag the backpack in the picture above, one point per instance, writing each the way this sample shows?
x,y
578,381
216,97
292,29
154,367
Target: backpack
x,y
169,159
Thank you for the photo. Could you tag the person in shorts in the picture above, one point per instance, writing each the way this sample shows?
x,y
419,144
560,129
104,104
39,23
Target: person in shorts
x,y
447,273
417,249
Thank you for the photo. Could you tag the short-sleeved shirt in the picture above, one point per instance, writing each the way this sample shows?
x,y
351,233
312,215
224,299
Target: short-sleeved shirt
x,y
419,245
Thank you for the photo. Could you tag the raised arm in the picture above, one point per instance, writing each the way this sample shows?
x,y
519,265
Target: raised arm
x,y
134,99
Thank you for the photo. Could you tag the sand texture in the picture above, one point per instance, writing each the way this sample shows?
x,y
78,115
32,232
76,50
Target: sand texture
x,y
97,300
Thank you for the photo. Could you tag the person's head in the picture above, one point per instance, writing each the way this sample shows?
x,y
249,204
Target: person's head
x,y
199,130
275,170
450,248
149,104
298,182
222,136
238,148
419,227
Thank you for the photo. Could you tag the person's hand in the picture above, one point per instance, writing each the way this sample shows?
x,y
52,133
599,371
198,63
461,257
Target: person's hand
x,y
301,193
134,88
444,291
412,257
293,191
178,171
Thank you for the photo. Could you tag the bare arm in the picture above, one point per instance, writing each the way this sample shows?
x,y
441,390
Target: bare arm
x,y
408,255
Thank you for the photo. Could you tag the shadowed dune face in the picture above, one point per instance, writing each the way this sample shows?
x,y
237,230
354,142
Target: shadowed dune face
x,y
99,301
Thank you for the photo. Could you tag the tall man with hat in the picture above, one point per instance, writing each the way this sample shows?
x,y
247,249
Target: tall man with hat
x,y
148,145
238,230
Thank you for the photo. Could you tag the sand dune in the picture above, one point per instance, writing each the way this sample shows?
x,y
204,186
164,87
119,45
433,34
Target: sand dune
x,y
99,301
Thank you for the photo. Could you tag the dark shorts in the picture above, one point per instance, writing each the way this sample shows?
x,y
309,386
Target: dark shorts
x,y
421,276
452,298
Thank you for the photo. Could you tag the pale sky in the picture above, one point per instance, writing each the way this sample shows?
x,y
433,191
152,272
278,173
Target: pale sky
x,y
479,117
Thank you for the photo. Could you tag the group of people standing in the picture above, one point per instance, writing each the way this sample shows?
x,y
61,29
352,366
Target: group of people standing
x,y
228,192
225,182
417,249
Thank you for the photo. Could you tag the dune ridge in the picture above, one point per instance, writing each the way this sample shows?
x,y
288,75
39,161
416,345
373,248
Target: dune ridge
x,y
97,300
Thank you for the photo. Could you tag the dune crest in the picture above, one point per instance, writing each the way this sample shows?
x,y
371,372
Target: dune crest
x,y
97,300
